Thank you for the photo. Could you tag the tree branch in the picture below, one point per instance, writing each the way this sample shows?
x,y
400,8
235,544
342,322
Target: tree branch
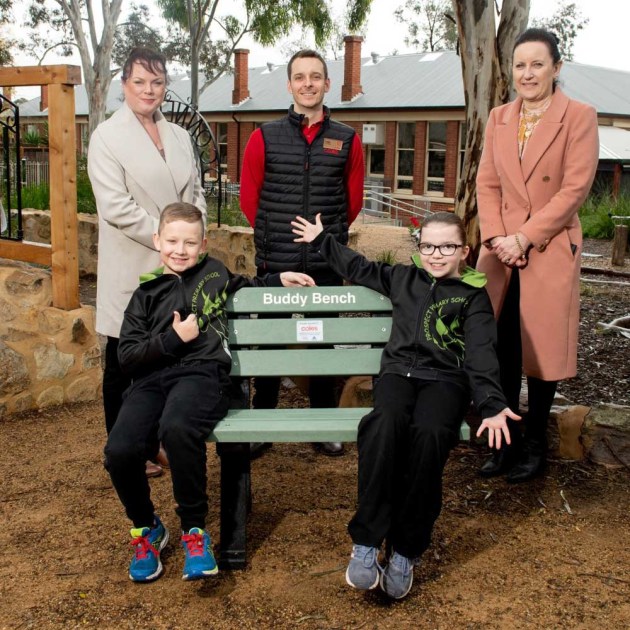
x,y
39,62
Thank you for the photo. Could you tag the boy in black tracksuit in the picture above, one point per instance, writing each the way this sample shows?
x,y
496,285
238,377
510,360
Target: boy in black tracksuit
x,y
174,345
440,353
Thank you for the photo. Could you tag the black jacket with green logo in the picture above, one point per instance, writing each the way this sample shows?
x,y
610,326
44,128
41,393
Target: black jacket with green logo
x,y
442,329
148,341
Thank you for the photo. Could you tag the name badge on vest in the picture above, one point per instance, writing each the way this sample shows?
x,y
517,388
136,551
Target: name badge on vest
x,y
332,146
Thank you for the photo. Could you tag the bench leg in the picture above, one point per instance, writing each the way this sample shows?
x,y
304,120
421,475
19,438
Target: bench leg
x,y
235,503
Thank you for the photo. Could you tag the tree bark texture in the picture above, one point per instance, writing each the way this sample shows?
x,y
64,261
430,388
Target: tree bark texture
x,y
486,59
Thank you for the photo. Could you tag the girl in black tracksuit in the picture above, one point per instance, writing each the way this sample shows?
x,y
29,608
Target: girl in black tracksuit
x,y
441,352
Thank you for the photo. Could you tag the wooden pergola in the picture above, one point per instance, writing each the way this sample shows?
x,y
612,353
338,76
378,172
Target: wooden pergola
x,y
62,254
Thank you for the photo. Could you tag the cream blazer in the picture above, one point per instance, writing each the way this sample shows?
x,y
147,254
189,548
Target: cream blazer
x,y
540,196
132,183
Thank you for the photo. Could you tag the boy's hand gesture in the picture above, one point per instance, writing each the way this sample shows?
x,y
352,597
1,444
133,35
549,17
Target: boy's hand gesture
x,y
496,426
306,231
187,329
295,279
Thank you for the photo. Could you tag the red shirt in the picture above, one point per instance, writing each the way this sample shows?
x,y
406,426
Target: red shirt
x,y
253,173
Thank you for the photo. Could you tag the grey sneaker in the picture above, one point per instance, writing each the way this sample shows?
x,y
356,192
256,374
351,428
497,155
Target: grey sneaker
x,y
363,569
397,578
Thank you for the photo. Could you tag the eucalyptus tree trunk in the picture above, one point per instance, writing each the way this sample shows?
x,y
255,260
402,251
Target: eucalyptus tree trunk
x,y
486,57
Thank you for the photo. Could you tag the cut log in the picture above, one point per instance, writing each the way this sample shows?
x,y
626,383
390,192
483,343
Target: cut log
x,y
570,422
606,435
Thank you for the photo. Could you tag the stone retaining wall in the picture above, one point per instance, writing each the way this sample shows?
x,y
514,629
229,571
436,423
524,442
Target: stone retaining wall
x,y
233,246
47,356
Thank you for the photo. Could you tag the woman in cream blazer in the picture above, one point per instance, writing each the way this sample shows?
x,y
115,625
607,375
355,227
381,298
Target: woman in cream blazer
x,y
538,163
138,163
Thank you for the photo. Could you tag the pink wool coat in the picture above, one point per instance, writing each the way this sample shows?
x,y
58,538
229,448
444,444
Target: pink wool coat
x,y
539,197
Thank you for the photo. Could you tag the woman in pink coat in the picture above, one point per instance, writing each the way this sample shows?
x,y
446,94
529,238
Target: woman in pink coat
x,y
538,163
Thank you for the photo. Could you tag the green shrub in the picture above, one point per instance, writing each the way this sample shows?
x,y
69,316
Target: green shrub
x,y
31,138
387,256
38,195
230,212
595,214
85,196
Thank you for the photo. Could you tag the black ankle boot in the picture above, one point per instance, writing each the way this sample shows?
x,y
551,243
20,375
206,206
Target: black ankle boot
x,y
500,462
530,464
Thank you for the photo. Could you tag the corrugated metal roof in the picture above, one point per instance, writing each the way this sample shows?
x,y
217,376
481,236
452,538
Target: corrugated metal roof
x,y
414,81
614,144
399,81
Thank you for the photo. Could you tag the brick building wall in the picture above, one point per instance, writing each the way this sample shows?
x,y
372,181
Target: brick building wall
x,y
420,157
390,154
246,130
233,149
239,133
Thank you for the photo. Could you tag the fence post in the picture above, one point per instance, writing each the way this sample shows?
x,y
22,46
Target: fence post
x,y
63,196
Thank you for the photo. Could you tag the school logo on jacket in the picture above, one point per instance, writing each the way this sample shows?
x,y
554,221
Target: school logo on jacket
x,y
213,313
442,326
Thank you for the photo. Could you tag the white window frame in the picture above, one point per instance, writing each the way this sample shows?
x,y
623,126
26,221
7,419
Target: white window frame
x,y
427,179
404,178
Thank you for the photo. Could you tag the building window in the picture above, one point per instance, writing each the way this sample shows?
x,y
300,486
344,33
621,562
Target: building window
x,y
221,138
375,161
84,134
404,156
436,158
462,149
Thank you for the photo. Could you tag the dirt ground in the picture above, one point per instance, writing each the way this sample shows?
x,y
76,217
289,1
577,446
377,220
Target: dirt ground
x,y
549,554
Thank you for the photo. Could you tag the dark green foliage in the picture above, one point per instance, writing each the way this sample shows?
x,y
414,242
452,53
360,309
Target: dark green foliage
x,y
135,30
230,212
205,38
38,196
595,215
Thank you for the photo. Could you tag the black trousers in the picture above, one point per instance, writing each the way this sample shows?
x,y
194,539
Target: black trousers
x,y
321,392
114,383
510,355
403,445
184,403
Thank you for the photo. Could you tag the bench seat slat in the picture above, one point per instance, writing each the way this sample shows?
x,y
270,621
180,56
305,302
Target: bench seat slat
x,y
294,425
344,330
346,362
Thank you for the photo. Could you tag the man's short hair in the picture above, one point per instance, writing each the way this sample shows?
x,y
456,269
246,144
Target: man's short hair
x,y
180,211
304,54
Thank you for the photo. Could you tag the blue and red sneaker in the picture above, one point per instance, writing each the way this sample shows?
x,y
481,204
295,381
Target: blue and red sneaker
x,y
199,562
147,543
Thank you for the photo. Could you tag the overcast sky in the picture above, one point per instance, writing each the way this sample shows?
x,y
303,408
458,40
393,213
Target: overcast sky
x,y
603,42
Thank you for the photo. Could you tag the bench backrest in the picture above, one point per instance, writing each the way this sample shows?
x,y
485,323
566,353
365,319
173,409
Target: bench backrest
x,y
344,329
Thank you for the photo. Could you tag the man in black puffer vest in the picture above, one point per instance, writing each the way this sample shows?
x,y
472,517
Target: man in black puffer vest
x,y
302,164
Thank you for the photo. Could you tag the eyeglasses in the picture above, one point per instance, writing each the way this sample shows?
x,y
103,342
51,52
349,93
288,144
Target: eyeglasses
x,y
446,249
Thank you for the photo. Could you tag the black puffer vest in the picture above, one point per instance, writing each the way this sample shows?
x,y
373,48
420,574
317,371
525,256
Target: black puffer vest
x,y
301,179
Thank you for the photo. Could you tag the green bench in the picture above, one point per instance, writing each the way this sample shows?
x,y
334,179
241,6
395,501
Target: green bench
x,y
339,331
